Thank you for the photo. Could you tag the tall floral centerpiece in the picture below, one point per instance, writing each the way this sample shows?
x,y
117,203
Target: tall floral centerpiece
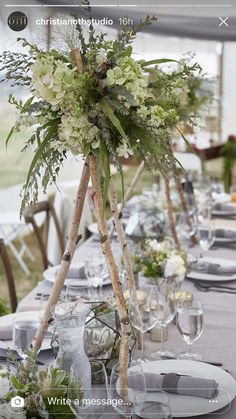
x,y
96,100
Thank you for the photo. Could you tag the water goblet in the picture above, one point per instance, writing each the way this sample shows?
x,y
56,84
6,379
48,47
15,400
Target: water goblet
x,y
206,235
89,403
75,292
128,402
156,406
143,311
94,271
190,326
166,310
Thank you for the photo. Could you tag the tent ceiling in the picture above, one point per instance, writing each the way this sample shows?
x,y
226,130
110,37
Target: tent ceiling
x,y
188,21
181,18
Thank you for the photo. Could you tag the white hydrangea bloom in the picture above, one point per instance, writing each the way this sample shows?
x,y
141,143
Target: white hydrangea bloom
x,y
78,132
175,267
129,73
51,79
155,245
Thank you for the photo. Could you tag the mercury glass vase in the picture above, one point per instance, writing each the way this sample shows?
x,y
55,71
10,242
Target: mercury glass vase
x,y
70,320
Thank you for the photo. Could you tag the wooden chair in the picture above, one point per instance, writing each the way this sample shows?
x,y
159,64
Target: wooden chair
x,y
9,275
29,215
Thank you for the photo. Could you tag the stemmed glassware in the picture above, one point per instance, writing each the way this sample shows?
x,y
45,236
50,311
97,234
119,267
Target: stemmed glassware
x,y
155,407
76,292
206,232
128,404
184,230
87,403
190,325
94,271
143,312
166,310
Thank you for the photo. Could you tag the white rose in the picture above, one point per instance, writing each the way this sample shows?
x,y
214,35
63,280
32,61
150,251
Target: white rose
x,y
155,245
175,267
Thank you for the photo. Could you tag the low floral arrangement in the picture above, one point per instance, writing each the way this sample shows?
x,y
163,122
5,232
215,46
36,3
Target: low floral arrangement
x,y
26,391
160,259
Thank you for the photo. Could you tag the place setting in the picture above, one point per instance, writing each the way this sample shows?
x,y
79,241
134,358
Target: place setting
x,y
117,265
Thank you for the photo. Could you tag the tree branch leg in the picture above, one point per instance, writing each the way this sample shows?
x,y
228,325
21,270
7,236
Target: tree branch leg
x,y
114,274
184,203
171,213
67,257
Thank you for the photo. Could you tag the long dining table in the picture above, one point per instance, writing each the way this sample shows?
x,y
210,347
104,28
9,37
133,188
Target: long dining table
x,y
218,341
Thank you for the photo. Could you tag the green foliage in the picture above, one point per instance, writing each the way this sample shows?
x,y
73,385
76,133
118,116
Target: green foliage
x,y
229,153
4,309
29,380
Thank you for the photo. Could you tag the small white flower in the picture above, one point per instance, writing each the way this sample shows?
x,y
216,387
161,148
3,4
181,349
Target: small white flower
x,y
123,150
155,245
175,267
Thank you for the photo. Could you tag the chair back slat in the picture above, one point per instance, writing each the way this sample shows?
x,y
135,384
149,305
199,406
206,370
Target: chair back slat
x,y
9,275
29,216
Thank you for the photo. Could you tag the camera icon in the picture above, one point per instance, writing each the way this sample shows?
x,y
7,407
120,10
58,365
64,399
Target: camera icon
x,y
17,401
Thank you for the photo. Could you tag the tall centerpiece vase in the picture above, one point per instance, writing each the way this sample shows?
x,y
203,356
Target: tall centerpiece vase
x,y
70,320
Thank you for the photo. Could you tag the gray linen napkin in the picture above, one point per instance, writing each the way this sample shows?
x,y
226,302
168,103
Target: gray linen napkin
x,y
76,272
213,268
228,234
224,207
177,384
5,333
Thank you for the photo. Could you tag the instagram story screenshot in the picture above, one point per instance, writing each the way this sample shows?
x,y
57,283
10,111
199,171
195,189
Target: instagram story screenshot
x,y
117,209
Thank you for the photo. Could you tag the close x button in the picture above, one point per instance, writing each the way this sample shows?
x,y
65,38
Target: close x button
x,y
224,21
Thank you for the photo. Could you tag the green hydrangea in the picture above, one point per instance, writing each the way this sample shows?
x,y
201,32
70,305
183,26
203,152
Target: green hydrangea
x,y
78,134
129,73
51,79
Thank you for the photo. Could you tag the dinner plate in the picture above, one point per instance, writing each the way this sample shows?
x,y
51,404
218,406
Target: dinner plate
x,y
222,213
225,240
6,323
189,406
203,276
51,273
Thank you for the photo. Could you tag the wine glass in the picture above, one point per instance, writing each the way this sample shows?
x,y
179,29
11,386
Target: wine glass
x,y
76,292
94,271
156,406
128,402
190,325
186,227
206,233
24,332
166,310
87,403
206,236
142,307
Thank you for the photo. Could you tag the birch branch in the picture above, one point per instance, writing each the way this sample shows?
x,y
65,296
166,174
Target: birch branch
x,y
118,225
67,257
130,189
114,274
171,213
184,204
